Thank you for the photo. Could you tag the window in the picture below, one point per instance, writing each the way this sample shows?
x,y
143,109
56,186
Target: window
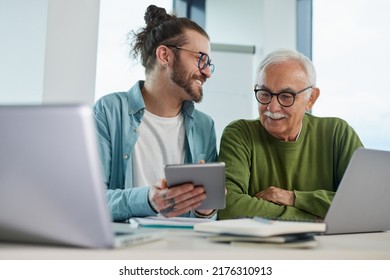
x,y
350,51
115,71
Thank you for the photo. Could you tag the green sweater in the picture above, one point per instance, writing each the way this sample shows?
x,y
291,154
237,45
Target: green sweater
x,y
312,167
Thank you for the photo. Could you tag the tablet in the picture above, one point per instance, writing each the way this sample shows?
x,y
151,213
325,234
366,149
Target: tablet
x,y
210,175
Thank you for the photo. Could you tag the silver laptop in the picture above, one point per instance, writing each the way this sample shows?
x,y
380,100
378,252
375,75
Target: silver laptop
x,y
362,201
51,186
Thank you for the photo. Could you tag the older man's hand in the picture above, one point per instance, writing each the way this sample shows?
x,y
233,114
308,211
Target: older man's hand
x,y
277,195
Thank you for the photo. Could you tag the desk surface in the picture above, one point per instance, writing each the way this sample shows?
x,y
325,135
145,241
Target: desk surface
x,y
189,245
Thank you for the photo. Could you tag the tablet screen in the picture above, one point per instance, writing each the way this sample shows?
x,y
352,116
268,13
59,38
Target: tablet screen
x,y
210,175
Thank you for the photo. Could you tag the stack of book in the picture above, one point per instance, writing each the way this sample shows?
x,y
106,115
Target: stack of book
x,y
261,230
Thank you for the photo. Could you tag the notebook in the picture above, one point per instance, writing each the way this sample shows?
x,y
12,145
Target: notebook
x,y
260,230
51,186
362,201
163,222
259,227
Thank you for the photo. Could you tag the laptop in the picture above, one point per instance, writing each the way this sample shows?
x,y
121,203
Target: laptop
x,y
51,186
362,201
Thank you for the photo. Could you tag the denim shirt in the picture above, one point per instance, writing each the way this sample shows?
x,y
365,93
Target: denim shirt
x,y
118,116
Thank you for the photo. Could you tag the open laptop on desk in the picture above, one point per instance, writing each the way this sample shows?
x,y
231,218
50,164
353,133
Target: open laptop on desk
x,y
51,186
362,201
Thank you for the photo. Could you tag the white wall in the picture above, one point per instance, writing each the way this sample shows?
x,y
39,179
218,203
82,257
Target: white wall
x,y
22,50
71,51
264,24
228,93
48,51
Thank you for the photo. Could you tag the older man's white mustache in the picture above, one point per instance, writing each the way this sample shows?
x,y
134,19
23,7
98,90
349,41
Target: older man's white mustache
x,y
275,116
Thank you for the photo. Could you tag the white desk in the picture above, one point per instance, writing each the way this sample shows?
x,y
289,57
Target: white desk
x,y
188,245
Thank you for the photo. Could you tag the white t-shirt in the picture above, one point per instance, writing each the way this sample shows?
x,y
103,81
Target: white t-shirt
x,y
160,142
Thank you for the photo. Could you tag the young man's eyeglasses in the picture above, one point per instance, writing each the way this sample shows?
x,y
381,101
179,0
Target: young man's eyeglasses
x,y
285,98
204,59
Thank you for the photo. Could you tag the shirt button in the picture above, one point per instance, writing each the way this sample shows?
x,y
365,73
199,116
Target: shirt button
x,y
125,156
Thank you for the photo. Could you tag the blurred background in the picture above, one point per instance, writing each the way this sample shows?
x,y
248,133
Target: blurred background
x,y
75,51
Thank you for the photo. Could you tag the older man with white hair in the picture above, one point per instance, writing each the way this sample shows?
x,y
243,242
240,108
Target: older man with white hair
x,y
288,163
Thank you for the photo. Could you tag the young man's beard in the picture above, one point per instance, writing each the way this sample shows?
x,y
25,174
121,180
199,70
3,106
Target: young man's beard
x,y
179,76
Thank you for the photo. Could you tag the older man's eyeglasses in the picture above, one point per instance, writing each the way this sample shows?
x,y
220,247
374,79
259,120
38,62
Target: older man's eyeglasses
x,y
204,59
285,98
